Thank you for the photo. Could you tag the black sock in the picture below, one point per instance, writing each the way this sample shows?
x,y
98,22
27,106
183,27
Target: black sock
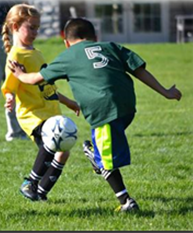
x,y
41,164
50,177
115,180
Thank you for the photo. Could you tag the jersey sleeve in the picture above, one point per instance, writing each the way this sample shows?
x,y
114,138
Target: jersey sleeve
x,y
11,83
131,60
55,70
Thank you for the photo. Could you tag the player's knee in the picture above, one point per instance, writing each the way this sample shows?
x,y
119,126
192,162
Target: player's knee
x,y
62,157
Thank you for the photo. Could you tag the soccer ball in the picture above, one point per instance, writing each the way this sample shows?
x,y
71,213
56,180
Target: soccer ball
x,y
59,133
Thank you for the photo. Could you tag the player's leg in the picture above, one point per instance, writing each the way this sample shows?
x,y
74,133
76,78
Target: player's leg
x,y
52,174
89,152
113,177
46,170
13,128
41,164
115,180
111,151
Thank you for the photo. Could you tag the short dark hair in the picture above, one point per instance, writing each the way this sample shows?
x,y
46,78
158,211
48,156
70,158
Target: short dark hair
x,y
79,28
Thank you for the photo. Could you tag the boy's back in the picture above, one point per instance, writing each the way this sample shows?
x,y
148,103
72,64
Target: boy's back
x,y
100,74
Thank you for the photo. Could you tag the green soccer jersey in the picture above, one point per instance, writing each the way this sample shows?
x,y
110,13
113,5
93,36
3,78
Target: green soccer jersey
x,y
98,73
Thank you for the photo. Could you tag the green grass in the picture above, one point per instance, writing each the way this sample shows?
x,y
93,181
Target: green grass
x,y
159,178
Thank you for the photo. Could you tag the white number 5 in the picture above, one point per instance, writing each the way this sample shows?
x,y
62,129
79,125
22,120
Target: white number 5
x,y
92,53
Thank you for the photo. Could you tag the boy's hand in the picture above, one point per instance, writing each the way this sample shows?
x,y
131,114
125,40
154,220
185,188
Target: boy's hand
x,y
147,78
173,93
16,68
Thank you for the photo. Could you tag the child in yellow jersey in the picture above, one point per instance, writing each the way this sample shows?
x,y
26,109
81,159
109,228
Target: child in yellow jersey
x,y
34,104
14,130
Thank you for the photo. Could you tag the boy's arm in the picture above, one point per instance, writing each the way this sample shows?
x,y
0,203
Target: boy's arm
x,y
19,72
147,78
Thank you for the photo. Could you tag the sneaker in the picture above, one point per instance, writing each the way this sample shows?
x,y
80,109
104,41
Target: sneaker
x,y
130,206
12,137
29,189
88,151
42,197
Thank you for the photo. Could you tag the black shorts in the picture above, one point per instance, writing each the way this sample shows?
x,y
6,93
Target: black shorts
x,y
37,134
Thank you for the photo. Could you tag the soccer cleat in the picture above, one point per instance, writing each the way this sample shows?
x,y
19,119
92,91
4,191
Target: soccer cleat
x,y
42,197
29,189
88,151
130,206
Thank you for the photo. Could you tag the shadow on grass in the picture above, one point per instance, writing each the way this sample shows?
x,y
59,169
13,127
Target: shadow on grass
x,y
63,200
183,206
163,134
59,201
28,214
108,212
79,212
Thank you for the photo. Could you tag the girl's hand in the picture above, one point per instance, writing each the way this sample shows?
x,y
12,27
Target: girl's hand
x,y
10,101
74,106
16,68
69,103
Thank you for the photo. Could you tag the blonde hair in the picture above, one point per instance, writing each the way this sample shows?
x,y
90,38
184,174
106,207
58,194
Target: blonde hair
x,y
17,14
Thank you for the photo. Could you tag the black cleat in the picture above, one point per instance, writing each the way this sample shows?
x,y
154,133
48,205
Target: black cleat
x,y
42,197
29,189
88,151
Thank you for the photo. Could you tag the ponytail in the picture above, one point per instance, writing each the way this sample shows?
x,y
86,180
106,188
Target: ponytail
x,y
6,38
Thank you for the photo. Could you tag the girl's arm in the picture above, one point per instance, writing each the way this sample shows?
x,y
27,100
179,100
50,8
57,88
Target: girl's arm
x,y
19,72
69,103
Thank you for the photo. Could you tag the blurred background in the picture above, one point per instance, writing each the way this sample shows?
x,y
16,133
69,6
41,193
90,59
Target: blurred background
x,y
124,21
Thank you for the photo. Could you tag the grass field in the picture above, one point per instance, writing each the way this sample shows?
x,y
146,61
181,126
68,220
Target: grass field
x,y
159,178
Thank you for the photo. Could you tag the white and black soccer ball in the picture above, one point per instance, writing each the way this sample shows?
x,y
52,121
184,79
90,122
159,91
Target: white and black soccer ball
x,y
59,133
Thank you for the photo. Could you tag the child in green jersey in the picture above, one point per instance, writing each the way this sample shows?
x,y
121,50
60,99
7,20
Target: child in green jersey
x,y
99,75
34,104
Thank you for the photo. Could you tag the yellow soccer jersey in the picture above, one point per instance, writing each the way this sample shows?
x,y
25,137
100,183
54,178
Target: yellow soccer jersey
x,y
34,103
